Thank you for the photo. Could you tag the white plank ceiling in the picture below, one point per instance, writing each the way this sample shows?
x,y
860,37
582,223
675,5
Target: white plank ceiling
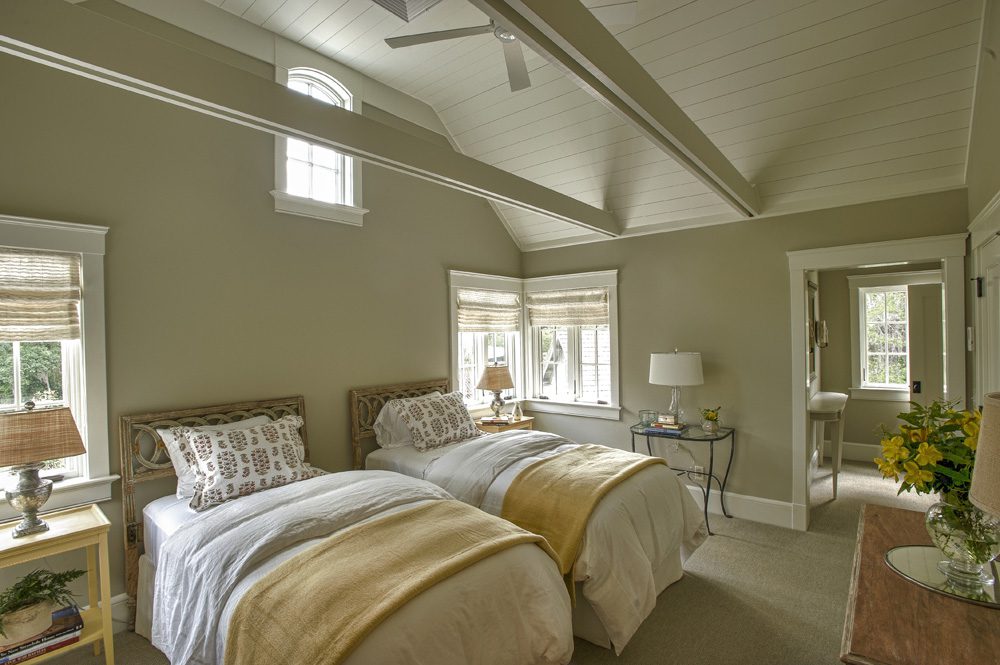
x,y
817,103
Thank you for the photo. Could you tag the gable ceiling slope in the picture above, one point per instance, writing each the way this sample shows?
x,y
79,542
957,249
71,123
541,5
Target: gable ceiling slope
x,y
817,104
83,43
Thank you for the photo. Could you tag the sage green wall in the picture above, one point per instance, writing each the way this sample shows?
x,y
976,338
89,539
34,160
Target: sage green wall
x,y
212,296
983,170
723,291
862,418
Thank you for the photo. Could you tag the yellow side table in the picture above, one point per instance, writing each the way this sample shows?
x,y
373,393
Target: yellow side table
x,y
72,529
527,422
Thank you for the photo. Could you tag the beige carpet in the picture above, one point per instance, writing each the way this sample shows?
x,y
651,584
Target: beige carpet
x,y
752,593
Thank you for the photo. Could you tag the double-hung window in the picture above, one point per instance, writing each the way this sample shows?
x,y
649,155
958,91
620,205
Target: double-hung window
x,y
488,332
568,361
52,342
313,180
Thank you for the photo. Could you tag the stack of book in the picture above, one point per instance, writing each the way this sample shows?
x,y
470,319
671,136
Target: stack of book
x,y
666,429
491,420
67,624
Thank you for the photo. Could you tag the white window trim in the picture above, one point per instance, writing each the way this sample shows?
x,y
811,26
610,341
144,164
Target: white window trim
x,y
44,235
352,215
856,283
605,278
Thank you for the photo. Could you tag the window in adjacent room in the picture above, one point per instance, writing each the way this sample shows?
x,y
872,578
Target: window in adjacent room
x,y
52,342
314,180
885,337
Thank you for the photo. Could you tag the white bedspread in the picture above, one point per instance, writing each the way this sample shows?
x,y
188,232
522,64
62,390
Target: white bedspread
x,y
207,564
634,532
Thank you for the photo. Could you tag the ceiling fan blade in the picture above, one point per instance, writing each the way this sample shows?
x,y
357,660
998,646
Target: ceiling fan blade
x,y
620,13
517,68
439,36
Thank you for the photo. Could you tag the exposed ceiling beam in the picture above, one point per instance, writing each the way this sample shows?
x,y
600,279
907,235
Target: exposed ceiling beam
x,y
569,36
59,35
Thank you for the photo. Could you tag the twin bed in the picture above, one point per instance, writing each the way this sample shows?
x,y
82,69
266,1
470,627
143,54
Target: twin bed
x,y
204,586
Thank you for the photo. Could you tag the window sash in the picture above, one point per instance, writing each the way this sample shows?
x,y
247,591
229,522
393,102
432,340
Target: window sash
x,y
878,354
575,367
476,350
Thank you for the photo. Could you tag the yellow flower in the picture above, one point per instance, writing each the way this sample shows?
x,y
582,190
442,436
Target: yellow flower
x,y
971,428
928,455
892,448
971,442
918,435
916,476
888,468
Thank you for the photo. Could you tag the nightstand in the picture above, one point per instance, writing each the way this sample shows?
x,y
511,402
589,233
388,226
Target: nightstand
x,y
72,529
526,422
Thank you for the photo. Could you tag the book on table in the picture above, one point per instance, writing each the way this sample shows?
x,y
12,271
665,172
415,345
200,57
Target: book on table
x,y
67,624
662,431
677,427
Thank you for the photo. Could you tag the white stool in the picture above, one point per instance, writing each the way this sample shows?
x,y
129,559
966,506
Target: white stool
x,y
824,409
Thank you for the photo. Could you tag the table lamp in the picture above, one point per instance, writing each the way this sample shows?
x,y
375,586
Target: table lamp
x,y
27,439
984,492
680,368
496,378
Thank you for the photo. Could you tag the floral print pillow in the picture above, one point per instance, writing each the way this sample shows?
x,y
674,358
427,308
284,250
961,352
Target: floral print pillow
x,y
233,463
436,422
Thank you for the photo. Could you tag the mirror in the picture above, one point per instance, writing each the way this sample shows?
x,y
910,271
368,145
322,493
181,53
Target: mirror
x,y
919,564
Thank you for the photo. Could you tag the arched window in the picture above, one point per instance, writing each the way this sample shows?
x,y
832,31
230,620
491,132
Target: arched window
x,y
314,171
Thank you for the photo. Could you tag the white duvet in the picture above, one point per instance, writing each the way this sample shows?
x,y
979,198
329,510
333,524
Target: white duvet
x,y
509,608
637,537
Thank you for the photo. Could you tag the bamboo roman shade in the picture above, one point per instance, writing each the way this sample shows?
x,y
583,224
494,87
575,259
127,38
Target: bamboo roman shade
x,y
481,310
39,296
569,307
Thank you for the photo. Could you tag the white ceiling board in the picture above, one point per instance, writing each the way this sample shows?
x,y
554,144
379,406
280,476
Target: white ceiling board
x,y
818,103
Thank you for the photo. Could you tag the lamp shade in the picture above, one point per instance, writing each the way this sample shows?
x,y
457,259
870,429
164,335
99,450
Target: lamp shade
x,y
495,377
36,436
985,490
680,368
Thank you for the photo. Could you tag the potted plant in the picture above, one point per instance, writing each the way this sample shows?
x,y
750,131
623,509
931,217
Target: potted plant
x,y
710,420
934,452
26,606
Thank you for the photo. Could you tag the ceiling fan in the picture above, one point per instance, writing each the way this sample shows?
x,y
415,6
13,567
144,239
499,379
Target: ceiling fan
x,y
622,13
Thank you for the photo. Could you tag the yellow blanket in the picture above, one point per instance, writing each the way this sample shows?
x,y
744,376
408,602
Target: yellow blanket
x,y
555,496
318,606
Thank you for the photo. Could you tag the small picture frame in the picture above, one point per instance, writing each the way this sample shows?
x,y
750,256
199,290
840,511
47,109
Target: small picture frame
x,y
667,419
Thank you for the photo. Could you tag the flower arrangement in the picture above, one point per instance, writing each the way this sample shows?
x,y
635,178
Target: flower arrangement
x,y
711,415
36,587
934,450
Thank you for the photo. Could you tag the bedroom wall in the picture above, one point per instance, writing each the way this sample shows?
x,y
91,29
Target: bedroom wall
x,y
723,291
213,297
983,169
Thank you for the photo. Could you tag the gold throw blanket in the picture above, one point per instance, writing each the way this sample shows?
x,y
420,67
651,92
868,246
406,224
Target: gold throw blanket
x,y
318,606
555,496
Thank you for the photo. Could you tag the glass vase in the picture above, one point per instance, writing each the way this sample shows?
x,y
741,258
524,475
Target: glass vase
x,y
967,536
710,426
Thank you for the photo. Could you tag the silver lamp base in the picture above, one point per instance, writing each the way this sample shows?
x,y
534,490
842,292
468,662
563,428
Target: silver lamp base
x,y
497,403
28,497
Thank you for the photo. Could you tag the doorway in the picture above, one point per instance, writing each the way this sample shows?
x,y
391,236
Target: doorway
x,y
946,251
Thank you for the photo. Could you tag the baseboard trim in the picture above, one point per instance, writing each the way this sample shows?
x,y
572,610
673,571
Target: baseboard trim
x,y
754,508
856,452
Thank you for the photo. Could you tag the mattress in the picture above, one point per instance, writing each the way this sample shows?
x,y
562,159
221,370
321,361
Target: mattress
x,y
160,519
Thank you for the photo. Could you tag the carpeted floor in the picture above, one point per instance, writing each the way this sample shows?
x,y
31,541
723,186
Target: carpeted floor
x,y
752,593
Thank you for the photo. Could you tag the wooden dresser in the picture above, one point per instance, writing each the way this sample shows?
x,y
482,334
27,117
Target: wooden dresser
x,y
891,621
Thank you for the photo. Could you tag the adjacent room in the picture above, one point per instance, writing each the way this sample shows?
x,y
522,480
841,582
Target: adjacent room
x,y
445,332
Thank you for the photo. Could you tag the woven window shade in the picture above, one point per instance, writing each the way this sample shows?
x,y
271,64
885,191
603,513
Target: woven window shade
x,y
39,296
570,307
480,310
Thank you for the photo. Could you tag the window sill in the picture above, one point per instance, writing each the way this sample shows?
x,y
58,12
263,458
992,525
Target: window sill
x,y
69,493
305,207
881,394
582,409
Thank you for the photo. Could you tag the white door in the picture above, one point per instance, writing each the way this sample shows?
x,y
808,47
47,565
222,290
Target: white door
x,y
989,304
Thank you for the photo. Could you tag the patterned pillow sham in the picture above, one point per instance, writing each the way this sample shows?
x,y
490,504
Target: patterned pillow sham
x,y
238,462
186,477
390,430
436,422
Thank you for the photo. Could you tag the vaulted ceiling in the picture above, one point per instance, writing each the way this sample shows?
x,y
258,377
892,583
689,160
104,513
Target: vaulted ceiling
x,y
817,103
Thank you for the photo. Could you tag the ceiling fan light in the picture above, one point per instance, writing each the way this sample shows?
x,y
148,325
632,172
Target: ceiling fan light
x,y
504,35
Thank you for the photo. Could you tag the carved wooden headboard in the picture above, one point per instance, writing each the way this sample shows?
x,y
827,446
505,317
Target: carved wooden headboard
x,y
366,403
144,458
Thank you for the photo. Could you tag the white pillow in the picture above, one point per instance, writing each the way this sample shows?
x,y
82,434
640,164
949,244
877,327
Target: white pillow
x,y
186,477
236,462
438,421
390,430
